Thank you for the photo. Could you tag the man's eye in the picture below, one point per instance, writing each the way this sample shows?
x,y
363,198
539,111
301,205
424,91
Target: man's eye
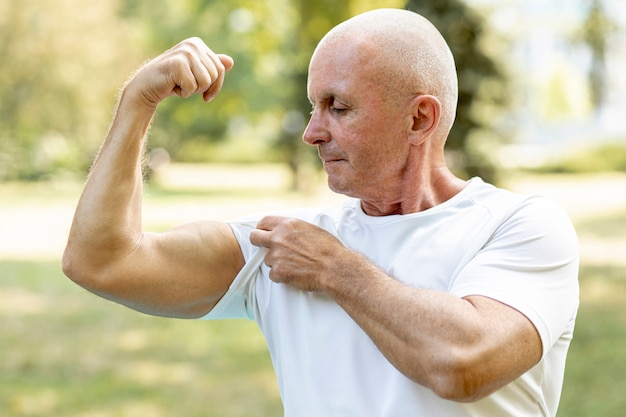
x,y
336,107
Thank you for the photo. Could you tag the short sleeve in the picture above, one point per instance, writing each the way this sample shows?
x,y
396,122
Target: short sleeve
x,y
242,298
531,264
238,302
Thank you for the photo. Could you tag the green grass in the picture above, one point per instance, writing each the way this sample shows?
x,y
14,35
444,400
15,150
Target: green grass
x,y
65,352
608,226
594,380
608,156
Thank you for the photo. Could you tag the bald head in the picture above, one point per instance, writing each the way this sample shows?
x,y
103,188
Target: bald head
x,y
409,53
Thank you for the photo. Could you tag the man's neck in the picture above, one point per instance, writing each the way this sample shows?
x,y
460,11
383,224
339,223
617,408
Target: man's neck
x,y
423,194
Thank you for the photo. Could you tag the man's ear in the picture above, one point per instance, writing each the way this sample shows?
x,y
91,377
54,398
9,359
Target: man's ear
x,y
426,113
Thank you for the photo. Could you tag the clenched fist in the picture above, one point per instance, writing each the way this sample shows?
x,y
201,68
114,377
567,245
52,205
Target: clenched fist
x,y
188,68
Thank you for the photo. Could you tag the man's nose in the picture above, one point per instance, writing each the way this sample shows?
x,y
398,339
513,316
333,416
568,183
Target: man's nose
x,y
316,132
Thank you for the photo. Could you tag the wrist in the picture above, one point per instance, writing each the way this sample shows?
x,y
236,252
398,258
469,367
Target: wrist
x,y
348,273
133,98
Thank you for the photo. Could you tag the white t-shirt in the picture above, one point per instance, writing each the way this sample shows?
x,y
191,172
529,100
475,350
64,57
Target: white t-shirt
x,y
520,250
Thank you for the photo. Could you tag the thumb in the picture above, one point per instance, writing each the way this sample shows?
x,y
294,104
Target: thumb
x,y
260,237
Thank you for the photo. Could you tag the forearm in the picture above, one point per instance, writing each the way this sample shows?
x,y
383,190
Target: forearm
x,y
445,343
107,221
395,317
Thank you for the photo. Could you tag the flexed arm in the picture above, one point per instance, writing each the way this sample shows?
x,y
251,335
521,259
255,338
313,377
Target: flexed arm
x,y
182,272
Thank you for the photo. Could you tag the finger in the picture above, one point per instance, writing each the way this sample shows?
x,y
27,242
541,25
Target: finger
x,y
227,64
218,71
203,75
260,238
203,71
227,61
185,74
197,68
270,222
184,80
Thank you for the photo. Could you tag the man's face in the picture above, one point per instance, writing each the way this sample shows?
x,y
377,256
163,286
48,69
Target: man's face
x,y
360,131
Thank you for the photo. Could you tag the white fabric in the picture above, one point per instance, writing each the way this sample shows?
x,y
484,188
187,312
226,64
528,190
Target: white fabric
x,y
520,250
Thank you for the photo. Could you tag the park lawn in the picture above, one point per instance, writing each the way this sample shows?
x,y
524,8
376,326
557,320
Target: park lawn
x,y
65,352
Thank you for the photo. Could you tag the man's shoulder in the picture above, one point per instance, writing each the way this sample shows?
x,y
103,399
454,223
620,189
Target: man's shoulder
x,y
504,200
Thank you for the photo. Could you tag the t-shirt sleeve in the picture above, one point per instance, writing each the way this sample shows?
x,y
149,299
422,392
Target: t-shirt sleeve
x,y
238,302
242,298
531,264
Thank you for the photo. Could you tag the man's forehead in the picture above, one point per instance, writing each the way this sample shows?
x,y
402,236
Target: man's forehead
x,y
335,69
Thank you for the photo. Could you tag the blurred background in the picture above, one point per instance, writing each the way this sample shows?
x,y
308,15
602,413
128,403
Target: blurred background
x,y
542,107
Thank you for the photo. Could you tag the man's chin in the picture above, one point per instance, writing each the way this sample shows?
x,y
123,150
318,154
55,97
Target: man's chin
x,y
340,187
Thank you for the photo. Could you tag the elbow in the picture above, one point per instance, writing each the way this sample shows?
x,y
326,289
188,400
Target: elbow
x,y
68,263
77,268
463,380
457,388
94,265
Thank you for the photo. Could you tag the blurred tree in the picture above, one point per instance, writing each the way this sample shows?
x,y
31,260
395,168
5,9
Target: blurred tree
x,y
63,61
596,32
482,86
315,19
263,107
161,27
249,110
58,60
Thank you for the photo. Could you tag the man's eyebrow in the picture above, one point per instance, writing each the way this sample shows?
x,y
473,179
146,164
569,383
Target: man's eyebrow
x,y
323,99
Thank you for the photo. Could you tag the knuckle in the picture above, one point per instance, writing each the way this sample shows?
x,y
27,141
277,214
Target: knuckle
x,y
178,62
275,274
193,42
291,223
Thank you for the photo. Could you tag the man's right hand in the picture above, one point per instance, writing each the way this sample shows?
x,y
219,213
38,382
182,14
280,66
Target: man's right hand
x,y
188,68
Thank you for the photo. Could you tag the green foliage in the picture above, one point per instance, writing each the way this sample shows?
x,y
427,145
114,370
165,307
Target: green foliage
x,y
596,31
65,61
482,86
602,158
59,73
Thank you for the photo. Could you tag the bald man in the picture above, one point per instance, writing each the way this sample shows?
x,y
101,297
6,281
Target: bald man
x,y
424,295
